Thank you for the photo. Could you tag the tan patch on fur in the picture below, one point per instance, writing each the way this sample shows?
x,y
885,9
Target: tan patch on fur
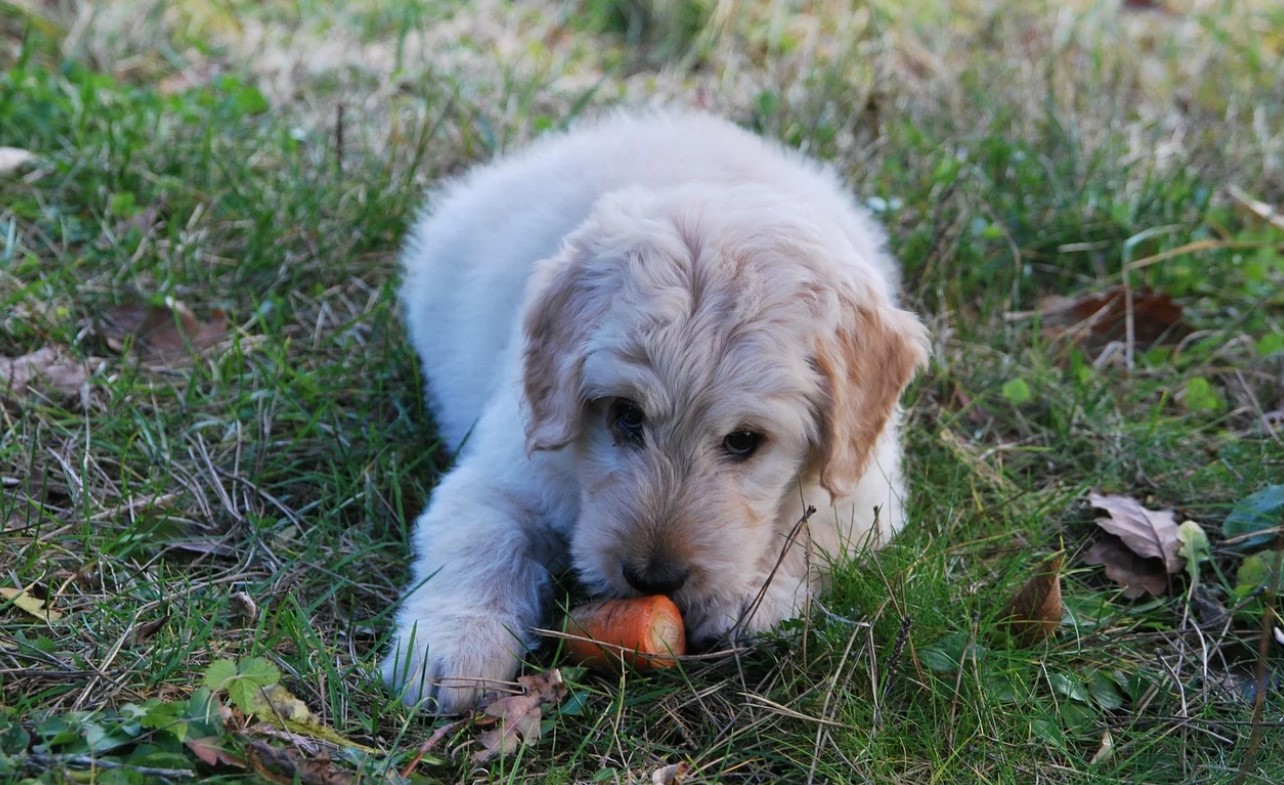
x,y
866,367
556,322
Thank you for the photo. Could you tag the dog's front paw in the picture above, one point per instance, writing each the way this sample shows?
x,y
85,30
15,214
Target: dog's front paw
x,y
445,664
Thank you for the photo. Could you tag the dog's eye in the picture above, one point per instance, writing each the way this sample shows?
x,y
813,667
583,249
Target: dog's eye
x,y
627,420
741,444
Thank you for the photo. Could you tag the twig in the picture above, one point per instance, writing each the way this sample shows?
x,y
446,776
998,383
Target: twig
x,y
790,539
87,762
427,746
829,695
785,711
1256,206
616,648
1269,618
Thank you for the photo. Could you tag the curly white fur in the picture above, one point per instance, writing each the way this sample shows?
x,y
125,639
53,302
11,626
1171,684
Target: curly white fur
x,y
718,283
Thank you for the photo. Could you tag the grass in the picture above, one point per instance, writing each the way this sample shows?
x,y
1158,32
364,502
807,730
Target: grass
x,y
251,500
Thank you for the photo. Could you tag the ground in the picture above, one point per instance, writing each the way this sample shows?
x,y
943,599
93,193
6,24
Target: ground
x,y
213,437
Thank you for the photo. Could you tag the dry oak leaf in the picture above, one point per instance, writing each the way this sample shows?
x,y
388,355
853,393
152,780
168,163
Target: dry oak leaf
x,y
1147,533
517,717
161,334
1134,574
48,366
1034,612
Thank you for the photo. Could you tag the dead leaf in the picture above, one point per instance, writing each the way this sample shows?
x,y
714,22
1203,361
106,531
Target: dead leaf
x,y
1034,613
548,685
673,774
32,605
1098,319
13,157
277,703
147,629
159,334
211,754
1105,751
1147,533
277,706
517,717
287,766
244,605
48,366
1134,574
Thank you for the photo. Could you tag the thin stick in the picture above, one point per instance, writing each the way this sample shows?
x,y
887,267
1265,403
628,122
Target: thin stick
x,y
427,746
1269,618
87,762
748,613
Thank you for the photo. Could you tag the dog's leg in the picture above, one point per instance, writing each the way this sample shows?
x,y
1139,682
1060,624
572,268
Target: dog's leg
x,y
477,588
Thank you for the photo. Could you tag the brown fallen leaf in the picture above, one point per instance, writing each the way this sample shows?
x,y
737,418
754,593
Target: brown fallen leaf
x,y
517,717
159,334
1034,613
673,774
46,368
143,632
1147,533
1134,574
287,766
1098,319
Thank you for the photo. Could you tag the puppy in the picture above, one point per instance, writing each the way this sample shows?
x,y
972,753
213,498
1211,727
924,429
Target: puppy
x,y
652,342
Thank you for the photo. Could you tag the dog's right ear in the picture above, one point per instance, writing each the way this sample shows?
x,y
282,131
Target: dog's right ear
x,y
563,303
865,366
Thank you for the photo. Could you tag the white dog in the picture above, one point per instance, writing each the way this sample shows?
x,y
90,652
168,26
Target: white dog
x,y
652,341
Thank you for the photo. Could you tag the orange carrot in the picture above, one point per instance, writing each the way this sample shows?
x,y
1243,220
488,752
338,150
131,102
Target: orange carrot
x,y
646,632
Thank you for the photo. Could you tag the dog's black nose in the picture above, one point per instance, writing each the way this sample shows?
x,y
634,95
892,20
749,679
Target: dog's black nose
x,y
656,578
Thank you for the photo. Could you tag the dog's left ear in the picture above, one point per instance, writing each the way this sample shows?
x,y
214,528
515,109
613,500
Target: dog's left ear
x,y
866,366
562,305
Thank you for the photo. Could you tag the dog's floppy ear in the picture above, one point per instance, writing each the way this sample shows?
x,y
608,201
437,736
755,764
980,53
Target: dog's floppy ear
x,y
562,305
865,365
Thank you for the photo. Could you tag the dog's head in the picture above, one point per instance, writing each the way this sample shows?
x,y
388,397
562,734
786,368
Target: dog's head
x,y
707,352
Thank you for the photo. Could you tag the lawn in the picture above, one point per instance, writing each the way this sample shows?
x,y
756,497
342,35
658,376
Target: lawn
x,y
212,436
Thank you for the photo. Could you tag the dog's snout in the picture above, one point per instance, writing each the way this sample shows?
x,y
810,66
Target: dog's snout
x,y
657,577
